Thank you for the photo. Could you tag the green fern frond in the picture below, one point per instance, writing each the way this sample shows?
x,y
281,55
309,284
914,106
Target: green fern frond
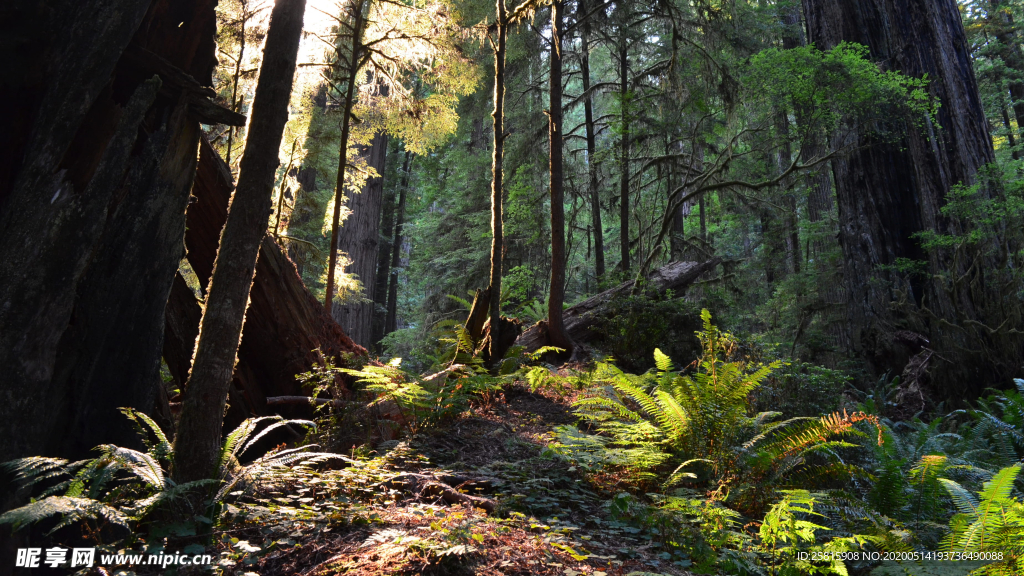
x,y
70,509
160,449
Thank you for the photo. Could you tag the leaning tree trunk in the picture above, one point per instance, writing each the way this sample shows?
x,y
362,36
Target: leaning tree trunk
x,y
556,290
199,432
359,239
102,100
889,192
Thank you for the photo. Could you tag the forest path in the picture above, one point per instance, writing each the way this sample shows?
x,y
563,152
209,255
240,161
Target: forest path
x,y
368,519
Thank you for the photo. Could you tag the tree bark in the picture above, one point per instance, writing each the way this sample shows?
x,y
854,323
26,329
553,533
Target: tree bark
x,y
94,179
624,155
198,440
496,179
888,192
359,239
386,237
588,118
556,290
391,322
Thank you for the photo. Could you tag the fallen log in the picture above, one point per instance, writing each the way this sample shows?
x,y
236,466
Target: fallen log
x,y
581,318
285,325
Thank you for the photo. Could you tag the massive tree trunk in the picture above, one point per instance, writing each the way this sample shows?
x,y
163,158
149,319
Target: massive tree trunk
x,y
359,239
102,101
888,192
197,442
588,118
556,289
286,332
496,179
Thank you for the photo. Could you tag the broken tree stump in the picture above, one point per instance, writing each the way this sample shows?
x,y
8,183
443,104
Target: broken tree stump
x,y
284,324
581,318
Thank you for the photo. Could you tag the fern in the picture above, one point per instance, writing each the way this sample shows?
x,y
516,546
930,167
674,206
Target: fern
x,y
122,486
991,522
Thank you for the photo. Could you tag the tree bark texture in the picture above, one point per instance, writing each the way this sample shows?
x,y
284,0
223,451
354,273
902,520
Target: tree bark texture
x,y
579,319
624,156
359,240
199,432
102,102
386,238
556,289
888,192
391,321
498,116
286,332
588,119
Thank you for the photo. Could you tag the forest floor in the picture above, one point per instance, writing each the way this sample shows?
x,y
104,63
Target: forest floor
x,y
547,519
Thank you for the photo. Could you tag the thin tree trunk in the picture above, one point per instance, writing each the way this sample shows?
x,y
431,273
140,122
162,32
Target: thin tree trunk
x,y
198,440
556,294
624,156
235,105
358,25
588,117
496,181
391,323
1009,132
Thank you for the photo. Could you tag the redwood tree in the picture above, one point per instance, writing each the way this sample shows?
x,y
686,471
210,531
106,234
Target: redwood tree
x,y
889,192
198,440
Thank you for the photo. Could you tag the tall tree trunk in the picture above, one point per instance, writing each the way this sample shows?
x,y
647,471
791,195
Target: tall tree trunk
x,y
588,118
1002,23
497,246
352,67
198,440
359,239
888,192
556,294
624,155
391,322
387,240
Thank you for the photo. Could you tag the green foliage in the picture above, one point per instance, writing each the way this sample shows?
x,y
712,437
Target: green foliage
x,y
991,522
700,421
124,487
634,325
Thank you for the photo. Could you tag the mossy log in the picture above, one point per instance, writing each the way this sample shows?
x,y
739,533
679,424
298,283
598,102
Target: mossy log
x,y
581,318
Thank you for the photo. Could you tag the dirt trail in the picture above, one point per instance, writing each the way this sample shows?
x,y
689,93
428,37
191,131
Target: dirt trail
x,y
389,516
